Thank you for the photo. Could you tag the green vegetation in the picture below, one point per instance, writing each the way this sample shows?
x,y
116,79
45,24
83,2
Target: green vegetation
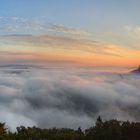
x,y
103,130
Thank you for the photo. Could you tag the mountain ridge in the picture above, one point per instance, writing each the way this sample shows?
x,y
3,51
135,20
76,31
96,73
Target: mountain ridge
x,y
136,71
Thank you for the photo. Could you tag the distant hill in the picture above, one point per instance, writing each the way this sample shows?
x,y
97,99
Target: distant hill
x,y
136,71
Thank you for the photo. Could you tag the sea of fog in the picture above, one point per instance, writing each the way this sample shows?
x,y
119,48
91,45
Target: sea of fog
x,y
66,97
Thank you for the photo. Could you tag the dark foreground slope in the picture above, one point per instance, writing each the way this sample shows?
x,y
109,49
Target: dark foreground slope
x,y
103,130
136,71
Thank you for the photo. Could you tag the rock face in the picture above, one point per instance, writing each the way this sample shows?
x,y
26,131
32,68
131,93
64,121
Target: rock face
x,y
137,71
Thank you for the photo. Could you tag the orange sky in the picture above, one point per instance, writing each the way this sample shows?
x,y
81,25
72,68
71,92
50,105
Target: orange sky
x,y
130,59
59,48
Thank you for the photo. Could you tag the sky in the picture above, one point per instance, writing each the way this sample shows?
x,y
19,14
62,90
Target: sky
x,y
75,32
68,60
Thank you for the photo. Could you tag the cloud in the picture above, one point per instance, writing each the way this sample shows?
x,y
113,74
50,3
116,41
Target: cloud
x,y
31,58
35,25
7,28
53,47
135,31
41,25
67,30
9,18
65,43
75,97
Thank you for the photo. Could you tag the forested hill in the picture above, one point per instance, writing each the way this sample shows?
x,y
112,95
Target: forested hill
x,y
102,130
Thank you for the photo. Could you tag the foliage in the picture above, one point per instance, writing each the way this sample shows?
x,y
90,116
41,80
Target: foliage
x,y
103,130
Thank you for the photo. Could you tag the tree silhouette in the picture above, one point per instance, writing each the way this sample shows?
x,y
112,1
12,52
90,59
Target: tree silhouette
x,y
102,130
